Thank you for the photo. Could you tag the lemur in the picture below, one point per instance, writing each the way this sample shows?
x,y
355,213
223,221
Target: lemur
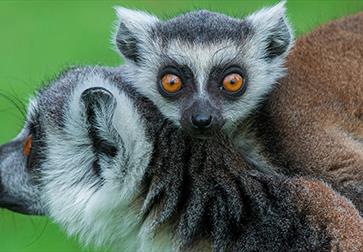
x,y
159,154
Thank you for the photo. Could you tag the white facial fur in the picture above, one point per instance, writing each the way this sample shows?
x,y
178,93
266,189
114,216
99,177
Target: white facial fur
x,y
201,57
99,215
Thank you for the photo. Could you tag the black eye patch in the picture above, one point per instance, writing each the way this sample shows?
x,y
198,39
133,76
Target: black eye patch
x,y
35,155
182,71
217,75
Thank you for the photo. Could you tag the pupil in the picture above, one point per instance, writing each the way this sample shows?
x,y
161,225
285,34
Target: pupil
x,y
172,82
233,82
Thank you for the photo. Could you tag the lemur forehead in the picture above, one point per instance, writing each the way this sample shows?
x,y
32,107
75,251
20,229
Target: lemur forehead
x,y
204,56
203,27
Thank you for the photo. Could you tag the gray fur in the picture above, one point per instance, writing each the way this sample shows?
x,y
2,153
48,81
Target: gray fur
x,y
18,188
202,27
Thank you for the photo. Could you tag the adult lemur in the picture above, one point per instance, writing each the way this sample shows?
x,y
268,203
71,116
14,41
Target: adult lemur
x,y
162,153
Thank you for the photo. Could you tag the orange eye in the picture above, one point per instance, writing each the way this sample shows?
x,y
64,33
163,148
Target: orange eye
x,y
27,145
171,83
233,82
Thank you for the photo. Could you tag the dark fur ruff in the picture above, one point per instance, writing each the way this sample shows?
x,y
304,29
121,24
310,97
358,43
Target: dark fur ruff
x,y
208,192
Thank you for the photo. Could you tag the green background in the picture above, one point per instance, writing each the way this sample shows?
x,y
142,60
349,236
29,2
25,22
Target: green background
x,y
39,38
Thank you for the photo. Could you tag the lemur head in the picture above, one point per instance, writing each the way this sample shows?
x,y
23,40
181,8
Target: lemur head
x,y
205,71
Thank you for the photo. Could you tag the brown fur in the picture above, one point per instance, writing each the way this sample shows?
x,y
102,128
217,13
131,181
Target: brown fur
x,y
328,210
314,118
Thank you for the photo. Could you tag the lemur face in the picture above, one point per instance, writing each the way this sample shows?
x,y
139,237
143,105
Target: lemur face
x,y
205,71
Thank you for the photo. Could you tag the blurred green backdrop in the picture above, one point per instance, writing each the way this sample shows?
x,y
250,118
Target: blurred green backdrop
x,y
39,38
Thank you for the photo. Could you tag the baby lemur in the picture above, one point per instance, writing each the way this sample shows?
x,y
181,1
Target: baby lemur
x,y
161,153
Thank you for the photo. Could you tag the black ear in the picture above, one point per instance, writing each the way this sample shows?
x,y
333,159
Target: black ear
x,y
95,97
18,190
271,28
133,32
99,105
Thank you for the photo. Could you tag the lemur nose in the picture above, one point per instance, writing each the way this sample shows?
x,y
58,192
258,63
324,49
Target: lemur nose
x,y
201,120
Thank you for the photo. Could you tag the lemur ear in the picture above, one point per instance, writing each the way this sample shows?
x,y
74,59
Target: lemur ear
x,y
99,105
95,96
271,28
133,31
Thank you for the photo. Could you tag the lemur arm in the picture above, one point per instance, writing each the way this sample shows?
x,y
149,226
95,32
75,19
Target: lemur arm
x,y
327,209
298,214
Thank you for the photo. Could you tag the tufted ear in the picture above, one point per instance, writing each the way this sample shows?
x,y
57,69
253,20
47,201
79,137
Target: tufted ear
x,y
99,105
271,29
133,31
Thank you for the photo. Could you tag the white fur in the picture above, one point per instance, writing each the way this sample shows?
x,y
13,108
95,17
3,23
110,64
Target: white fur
x,y
99,214
267,18
135,20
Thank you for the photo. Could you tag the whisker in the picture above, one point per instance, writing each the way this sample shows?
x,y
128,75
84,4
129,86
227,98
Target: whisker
x,y
15,102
